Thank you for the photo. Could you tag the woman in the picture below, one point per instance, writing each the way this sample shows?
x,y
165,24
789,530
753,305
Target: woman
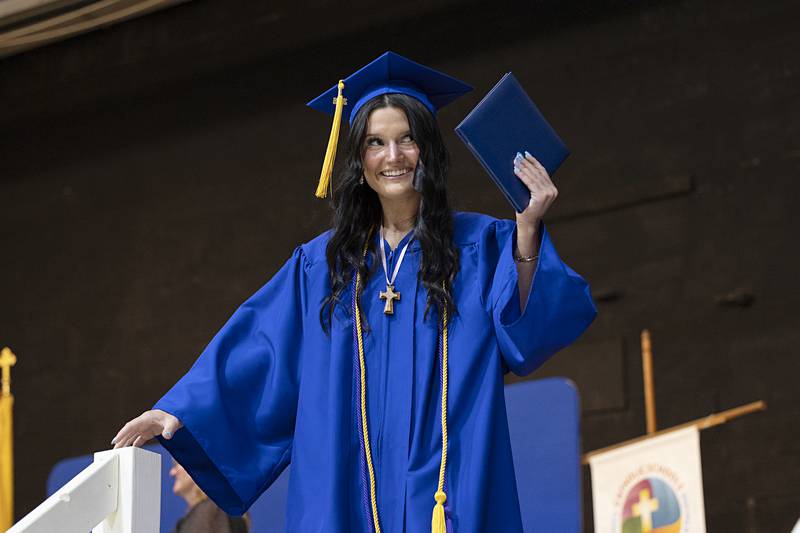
x,y
202,515
373,361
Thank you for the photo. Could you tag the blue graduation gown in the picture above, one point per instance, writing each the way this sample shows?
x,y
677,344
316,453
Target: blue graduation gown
x,y
272,388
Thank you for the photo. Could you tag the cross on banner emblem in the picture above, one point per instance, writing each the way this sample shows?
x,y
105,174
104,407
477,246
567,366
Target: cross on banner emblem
x,y
645,509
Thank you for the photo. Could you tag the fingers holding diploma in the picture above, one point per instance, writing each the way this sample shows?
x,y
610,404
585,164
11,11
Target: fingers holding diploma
x,y
543,192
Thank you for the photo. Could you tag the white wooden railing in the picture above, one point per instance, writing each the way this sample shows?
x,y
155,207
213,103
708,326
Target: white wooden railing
x,y
119,493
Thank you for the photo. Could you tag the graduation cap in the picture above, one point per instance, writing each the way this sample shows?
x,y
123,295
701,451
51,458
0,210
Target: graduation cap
x,y
389,73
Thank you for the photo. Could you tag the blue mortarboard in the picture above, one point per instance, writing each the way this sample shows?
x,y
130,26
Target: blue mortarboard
x,y
389,73
392,73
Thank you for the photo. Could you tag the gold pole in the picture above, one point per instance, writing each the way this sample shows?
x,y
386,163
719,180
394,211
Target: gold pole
x,y
714,419
647,376
7,360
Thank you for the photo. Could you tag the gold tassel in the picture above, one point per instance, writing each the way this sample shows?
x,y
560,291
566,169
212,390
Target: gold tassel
x,y
437,522
333,141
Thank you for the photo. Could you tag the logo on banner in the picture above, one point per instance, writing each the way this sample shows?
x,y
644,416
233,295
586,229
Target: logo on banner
x,y
651,499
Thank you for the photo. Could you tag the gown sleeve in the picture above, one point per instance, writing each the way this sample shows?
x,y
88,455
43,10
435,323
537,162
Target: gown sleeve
x,y
559,306
239,400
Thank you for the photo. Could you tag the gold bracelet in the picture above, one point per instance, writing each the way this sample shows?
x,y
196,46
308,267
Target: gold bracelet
x,y
525,258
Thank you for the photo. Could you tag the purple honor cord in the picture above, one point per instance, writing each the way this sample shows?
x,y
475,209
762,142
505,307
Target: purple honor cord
x,y
362,458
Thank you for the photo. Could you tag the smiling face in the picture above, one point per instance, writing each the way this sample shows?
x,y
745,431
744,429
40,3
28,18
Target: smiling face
x,y
390,155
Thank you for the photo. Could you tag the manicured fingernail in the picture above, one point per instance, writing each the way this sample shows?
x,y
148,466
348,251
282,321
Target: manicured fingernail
x,y
516,169
113,441
518,157
528,154
168,434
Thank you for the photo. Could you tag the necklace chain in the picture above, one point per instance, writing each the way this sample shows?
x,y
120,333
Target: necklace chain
x,y
390,281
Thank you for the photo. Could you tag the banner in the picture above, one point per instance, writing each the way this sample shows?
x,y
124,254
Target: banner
x,y
655,485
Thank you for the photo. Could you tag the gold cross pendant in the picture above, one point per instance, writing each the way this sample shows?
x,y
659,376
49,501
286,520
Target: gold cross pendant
x,y
390,296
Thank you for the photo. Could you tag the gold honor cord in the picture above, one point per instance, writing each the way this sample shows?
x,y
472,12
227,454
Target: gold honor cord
x,y
363,394
438,524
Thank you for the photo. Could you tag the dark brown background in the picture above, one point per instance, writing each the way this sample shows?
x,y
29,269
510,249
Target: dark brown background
x,y
154,174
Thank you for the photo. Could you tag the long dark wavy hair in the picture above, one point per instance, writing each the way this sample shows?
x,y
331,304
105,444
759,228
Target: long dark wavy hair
x,y
358,214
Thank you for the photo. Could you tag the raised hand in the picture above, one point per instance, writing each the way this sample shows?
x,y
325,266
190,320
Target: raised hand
x,y
543,192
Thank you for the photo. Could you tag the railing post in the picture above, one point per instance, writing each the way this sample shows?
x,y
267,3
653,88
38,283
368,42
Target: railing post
x,y
139,494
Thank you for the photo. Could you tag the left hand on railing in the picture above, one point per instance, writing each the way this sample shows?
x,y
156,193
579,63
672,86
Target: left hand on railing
x,y
146,426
